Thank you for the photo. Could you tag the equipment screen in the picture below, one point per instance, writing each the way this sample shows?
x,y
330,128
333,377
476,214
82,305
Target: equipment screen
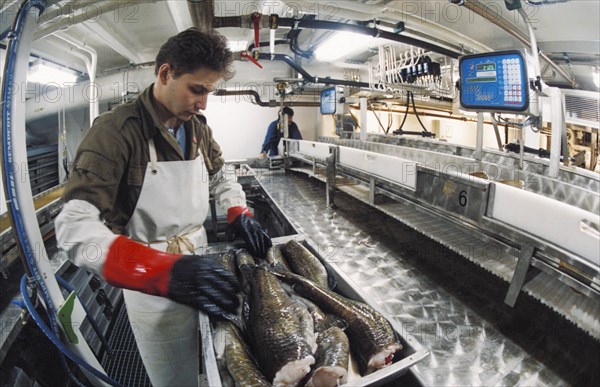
x,y
328,101
495,81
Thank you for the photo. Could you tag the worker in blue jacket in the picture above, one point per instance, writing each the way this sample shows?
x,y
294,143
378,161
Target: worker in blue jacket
x,y
274,133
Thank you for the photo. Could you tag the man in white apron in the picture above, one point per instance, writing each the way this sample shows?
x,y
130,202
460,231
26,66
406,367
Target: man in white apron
x,y
138,196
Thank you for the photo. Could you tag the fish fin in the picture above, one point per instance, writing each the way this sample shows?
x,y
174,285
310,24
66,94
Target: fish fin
x,y
331,279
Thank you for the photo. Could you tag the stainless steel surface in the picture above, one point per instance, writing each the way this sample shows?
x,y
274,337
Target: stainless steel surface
x,y
464,196
447,192
481,240
473,338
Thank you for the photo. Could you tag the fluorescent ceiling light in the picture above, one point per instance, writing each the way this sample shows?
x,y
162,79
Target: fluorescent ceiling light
x,y
340,44
43,74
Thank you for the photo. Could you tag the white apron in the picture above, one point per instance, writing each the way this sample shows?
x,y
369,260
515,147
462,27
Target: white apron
x,y
169,214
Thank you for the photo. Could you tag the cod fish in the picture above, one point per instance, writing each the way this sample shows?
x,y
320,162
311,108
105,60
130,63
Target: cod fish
x,y
245,263
237,357
332,357
227,260
275,258
371,336
322,321
304,263
279,330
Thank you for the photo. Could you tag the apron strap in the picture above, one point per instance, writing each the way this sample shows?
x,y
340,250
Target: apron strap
x,y
178,244
153,158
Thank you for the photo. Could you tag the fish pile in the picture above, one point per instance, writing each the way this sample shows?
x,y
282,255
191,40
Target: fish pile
x,y
293,329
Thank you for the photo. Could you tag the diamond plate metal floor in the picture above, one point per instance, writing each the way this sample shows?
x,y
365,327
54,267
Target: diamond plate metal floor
x,y
450,305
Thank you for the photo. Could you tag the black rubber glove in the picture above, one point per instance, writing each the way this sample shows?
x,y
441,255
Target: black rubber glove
x,y
204,284
256,238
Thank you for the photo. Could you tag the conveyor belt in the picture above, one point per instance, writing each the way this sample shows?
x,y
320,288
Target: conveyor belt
x,y
451,306
495,257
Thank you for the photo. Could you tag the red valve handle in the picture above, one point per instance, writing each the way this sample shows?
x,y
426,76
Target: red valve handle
x,y
250,58
256,20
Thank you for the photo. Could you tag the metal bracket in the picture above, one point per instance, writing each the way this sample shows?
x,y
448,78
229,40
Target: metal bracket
x,y
330,169
372,190
518,279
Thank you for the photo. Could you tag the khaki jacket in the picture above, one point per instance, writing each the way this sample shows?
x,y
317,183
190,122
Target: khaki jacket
x,y
110,164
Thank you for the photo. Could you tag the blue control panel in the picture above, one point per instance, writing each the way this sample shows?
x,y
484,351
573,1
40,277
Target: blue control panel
x,y
328,100
495,81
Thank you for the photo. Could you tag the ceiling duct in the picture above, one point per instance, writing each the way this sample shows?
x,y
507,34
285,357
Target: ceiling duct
x,y
202,12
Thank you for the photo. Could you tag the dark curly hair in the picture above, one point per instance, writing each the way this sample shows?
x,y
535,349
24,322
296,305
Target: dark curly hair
x,y
193,49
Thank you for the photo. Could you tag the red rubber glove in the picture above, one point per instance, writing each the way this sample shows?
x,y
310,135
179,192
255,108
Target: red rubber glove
x,y
188,279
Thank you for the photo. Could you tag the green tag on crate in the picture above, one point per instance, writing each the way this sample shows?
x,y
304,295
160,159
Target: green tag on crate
x,y
64,316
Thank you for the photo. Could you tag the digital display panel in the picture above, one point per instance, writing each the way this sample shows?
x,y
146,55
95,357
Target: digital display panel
x,y
328,101
494,81
486,66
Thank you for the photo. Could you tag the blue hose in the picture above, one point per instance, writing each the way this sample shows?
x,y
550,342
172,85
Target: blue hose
x,y
56,341
13,202
7,119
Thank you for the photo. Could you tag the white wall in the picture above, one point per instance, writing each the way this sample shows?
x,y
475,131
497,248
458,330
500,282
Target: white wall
x,y
240,126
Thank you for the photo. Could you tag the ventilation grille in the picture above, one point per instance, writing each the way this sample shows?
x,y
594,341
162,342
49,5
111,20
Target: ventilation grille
x,y
582,108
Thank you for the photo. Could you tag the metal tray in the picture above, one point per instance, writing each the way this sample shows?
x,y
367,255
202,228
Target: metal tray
x,y
411,353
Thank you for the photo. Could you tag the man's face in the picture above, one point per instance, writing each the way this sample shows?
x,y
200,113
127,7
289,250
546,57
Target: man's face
x,y
290,119
186,95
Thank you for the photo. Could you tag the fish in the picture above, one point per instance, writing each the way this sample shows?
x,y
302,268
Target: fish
x,y
237,357
227,260
322,321
304,263
245,264
372,337
332,357
276,259
280,331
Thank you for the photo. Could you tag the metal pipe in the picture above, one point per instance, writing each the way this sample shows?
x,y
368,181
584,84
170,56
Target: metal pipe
x,y
68,20
91,66
259,102
328,81
532,42
202,12
479,138
479,8
363,118
244,22
364,30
